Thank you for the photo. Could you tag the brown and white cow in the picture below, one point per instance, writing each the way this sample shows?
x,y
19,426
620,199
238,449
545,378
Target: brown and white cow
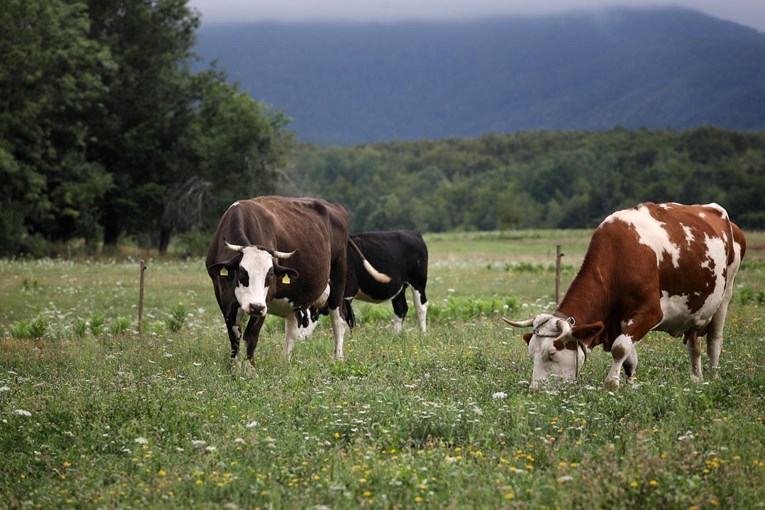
x,y
668,267
281,256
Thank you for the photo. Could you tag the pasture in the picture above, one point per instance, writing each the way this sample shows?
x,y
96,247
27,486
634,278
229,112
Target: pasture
x,y
94,416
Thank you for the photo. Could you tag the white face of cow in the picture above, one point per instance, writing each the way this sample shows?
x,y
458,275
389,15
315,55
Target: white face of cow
x,y
254,278
553,350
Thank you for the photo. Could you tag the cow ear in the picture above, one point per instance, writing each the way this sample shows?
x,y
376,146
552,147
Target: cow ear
x,y
527,337
222,269
285,271
587,331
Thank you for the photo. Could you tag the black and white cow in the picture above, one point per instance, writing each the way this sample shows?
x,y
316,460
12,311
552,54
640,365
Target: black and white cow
x,y
403,256
400,254
281,256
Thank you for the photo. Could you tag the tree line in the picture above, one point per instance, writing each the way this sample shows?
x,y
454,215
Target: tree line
x,y
111,127
544,179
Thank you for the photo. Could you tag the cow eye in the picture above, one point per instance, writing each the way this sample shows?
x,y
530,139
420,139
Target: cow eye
x,y
269,276
244,278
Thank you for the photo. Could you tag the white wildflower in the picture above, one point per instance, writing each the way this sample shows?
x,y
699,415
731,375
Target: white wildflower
x,y
141,440
22,412
499,395
199,443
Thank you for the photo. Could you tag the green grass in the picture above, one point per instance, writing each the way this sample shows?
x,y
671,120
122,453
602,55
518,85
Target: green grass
x,y
95,417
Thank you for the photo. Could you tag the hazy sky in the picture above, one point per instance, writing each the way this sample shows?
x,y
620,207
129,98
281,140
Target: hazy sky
x,y
746,12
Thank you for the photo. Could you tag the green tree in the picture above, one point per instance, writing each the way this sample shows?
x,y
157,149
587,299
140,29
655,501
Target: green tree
x,y
50,79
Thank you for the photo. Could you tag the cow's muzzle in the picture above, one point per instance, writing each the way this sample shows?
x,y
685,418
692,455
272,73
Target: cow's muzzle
x,y
255,309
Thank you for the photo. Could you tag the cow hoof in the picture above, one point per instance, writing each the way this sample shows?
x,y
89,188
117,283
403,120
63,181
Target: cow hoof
x,y
612,384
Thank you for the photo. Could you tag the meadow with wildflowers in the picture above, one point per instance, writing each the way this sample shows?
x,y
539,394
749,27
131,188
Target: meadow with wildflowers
x,y
92,415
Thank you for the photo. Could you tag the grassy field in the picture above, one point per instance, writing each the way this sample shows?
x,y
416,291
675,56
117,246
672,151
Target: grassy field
x,y
94,416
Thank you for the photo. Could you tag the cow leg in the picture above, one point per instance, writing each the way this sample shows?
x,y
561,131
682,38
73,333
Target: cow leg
x,y
291,332
251,334
338,330
421,305
630,364
399,309
233,327
641,322
715,333
693,343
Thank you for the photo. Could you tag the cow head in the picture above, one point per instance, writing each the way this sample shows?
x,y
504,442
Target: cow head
x,y
557,346
255,273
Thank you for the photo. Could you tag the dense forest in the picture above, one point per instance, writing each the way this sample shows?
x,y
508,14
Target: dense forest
x,y
535,179
349,83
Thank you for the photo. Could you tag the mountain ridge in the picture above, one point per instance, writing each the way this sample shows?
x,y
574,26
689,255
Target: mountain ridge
x,y
346,83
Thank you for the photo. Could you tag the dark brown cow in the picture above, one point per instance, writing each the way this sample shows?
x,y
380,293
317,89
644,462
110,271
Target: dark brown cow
x,y
309,236
667,267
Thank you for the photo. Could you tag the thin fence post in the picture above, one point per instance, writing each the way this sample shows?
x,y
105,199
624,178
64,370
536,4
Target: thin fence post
x,y
558,256
140,299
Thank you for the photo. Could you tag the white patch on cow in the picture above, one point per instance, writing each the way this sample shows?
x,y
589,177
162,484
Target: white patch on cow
x,y
338,330
547,359
716,253
676,316
650,232
322,300
718,208
305,332
622,343
257,263
422,309
689,237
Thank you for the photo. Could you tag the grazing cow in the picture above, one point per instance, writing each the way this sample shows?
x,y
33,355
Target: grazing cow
x,y
252,275
402,255
667,267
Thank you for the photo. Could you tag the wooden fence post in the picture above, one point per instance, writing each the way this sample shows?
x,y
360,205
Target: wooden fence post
x,y
558,256
140,299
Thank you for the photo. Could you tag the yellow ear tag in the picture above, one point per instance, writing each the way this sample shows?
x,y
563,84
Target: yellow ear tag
x,y
286,280
223,271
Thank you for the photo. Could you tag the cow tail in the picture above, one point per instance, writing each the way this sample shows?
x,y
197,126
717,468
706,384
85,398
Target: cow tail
x,y
377,275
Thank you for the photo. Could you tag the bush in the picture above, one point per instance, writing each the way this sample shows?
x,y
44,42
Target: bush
x,y
177,318
34,329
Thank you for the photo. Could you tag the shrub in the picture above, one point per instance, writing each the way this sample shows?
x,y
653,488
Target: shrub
x,y
97,324
177,318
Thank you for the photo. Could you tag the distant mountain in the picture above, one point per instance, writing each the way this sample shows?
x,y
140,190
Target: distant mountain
x,y
347,83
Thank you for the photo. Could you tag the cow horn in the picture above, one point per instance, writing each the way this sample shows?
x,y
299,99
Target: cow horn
x,y
519,324
282,254
233,247
564,327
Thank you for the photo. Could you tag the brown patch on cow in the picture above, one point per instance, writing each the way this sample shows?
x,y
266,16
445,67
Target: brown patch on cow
x,y
618,352
527,337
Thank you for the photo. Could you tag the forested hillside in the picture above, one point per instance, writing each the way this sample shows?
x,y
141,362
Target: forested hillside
x,y
534,179
346,83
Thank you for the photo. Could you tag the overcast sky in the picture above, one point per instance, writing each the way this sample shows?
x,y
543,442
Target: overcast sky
x,y
746,12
